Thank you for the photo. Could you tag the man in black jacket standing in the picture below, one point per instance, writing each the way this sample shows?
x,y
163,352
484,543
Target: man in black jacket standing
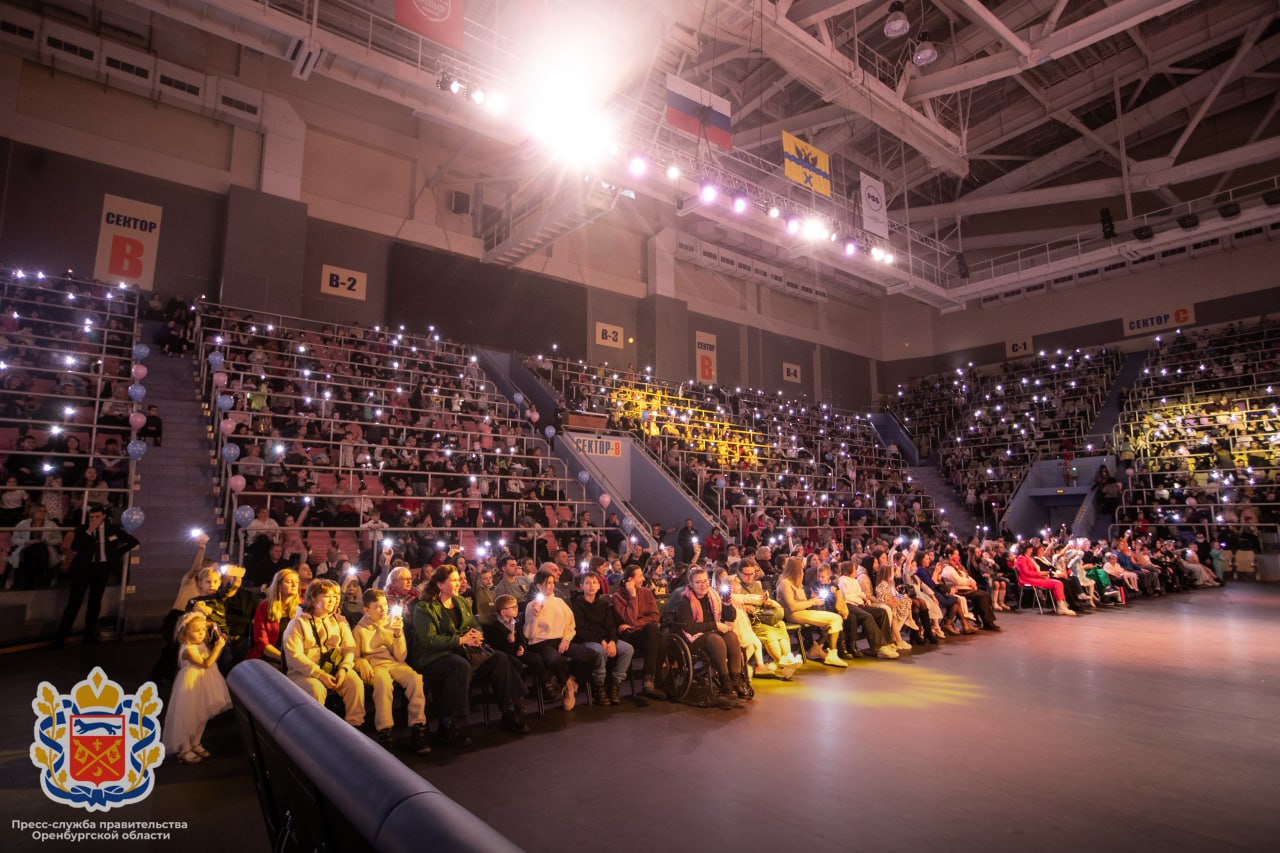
x,y
89,553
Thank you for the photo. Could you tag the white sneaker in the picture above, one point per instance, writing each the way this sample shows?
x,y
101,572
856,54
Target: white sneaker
x,y
887,652
903,645
833,659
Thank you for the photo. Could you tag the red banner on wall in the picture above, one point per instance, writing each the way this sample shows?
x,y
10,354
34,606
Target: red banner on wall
x,y
438,20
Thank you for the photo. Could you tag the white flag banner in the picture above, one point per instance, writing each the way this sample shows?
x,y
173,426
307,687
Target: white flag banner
x,y
875,218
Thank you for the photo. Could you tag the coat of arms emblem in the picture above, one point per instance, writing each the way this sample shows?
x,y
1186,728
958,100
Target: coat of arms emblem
x,y
97,747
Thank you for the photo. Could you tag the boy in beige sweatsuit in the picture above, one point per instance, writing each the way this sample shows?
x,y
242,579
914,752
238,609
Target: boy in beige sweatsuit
x,y
380,661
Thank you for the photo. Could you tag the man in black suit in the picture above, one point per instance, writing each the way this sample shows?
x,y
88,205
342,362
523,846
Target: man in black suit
x,y
89,553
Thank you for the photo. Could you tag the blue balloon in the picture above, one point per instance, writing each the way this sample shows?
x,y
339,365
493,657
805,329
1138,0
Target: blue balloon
x,y
720,482
136,449
584,477
230,452
549,432
131,519
628,525
518,397
140,352
215,360
244,515
225,402
137,393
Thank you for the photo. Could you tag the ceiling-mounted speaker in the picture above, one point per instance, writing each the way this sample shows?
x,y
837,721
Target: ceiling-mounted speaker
x,y
459,202
303,57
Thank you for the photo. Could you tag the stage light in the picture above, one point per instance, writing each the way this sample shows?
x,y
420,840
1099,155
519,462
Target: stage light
x,y
1189,221
496,103
896,25
793,226
774,213
708,193
925,53
637,165
740,204
673,172
851,248
1144,232
815,229
888,258
449,83
478,95
1230,210
877,254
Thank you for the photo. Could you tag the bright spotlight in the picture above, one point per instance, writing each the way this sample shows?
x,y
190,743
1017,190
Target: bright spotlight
x,y
478,95
496,103
877,254
815,229
637,165
851,248
888,257
774,213
708,193
673,172
793,226
740,204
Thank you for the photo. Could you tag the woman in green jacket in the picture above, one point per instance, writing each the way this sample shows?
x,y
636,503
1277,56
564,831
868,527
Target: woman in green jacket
x,y
449,651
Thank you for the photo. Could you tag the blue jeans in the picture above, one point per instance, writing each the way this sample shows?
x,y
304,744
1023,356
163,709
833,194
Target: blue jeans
x,y
619,664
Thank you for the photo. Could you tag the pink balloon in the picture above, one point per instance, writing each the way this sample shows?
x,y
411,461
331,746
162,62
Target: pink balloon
x,y
227,426
236,483
137,420
219,380
139,372
605,500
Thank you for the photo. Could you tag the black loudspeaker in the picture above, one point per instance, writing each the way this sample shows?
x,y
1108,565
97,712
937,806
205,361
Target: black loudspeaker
x,y
962,266
1108,226
459,202
1230,210
1188,221
1144,232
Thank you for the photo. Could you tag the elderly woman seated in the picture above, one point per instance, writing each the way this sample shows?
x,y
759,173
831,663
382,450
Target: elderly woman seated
x,y
706,623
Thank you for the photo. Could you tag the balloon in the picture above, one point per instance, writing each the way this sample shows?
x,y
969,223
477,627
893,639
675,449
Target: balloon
x,y
230,452
628,524
244,515
139,372
131,519
720,482
605,500
518,397
219,380
140,352
584,477
137,420
215,360
225,402
137,393
227,426
549,432
236,483
136,449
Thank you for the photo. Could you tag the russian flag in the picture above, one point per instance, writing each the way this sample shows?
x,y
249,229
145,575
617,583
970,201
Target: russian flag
x,y
698,113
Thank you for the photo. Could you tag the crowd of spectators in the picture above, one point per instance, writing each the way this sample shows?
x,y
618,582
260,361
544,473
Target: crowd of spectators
x,y
65,364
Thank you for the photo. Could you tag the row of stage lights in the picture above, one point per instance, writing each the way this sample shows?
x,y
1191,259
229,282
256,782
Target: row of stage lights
x,y
811,228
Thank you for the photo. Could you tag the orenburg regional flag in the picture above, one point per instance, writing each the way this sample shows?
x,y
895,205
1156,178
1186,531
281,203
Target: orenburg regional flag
x,y
806,165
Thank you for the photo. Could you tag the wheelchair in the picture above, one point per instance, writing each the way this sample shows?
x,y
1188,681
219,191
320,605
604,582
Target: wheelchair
x,y
685,674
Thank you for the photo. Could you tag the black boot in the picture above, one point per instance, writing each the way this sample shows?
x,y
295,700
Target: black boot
x,y
386,739
599,695
614,696
513,722
418,740
454,735
744,688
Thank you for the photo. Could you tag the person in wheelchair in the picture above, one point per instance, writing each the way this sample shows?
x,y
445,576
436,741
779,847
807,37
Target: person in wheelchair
x,y
706,623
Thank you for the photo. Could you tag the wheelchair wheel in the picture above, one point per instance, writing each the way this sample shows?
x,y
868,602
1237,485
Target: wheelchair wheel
x,y
675,670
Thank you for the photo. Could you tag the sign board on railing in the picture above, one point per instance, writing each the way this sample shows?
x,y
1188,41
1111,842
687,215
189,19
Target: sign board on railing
x,y
598,446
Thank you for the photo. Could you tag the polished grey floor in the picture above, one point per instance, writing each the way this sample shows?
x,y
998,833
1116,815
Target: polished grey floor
x,y
1152,728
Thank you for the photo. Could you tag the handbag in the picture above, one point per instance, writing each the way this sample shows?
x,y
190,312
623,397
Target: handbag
x,y
768,614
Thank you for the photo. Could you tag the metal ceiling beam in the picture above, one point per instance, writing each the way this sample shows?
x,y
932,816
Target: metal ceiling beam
x,y
1061,43
806,13
986,18
1147,175
767,134
840,80
1051,22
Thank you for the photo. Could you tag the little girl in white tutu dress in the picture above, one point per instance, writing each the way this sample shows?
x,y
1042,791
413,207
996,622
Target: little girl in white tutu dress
x,y
199,692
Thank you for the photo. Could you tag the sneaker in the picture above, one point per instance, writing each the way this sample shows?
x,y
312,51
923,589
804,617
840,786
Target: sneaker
x,y
833,659
903,646
887,652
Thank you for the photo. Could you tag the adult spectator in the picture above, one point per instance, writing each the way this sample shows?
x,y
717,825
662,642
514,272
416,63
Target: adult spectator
x,y
272,616
550,628
597,630
90,553
33,550
636,609
800,608
706,623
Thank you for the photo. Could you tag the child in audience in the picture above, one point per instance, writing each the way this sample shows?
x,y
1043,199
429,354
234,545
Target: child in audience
x,y
380,661
199,692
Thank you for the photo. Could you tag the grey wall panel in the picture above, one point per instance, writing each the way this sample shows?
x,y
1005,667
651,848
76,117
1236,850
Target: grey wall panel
x,y
889,374
775,350
484,304
614,309
846,379
1093,335
1240,305
352,249
52,205
266,240
663,324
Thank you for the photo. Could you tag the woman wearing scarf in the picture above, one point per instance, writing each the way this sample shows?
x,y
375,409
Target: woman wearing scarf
x,y
707,624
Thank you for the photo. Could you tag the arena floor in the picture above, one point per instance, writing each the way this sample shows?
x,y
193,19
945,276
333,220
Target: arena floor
x,y
1154,728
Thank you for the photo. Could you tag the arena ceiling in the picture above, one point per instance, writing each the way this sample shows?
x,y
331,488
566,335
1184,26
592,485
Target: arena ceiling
x,y
1035,115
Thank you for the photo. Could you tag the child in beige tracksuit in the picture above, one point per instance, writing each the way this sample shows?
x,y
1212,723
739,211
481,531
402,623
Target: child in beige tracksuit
x,y
380,661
